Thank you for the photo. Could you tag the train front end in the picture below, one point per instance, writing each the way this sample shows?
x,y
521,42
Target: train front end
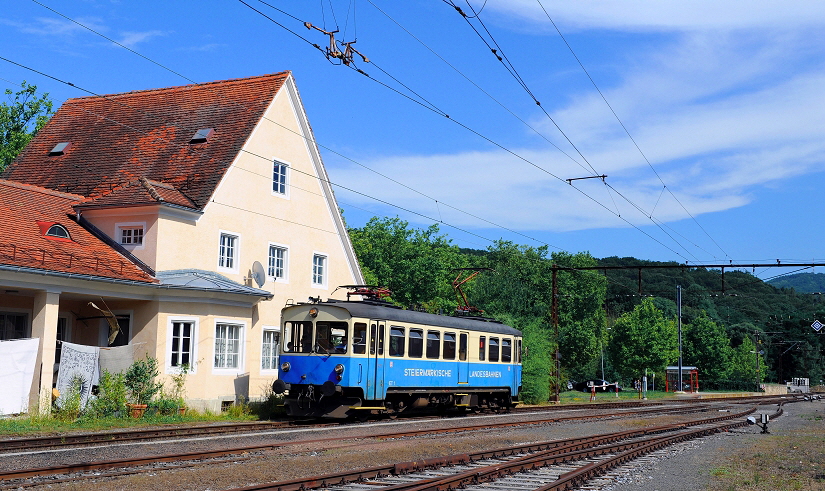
x,y
316,375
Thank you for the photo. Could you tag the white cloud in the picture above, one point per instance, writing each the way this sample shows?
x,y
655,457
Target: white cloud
x,y
131,39
668,15
718,115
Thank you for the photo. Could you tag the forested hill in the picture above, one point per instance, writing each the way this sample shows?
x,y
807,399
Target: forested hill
x,y
801,282
619,320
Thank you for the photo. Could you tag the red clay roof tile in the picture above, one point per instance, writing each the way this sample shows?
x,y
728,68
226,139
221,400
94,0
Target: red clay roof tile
x,y
119,138
25,209
139,192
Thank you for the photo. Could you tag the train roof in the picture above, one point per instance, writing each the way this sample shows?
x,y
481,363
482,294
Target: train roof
x,y
388,312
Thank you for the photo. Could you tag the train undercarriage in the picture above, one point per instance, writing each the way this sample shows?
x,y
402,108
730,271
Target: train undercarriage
x,y
331,401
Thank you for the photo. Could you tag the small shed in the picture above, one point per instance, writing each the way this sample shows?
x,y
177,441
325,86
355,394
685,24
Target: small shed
x,y
690,379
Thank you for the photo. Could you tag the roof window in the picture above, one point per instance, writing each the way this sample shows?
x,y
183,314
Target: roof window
x,y
59,231
60,149
202,135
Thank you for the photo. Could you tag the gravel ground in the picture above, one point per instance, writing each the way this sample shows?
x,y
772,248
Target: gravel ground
x,y
313,459
690,466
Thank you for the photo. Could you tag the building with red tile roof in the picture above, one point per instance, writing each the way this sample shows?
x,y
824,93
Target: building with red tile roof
x,y
157,204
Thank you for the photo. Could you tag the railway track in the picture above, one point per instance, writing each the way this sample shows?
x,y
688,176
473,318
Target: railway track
x,y
115,467
26,443
31,443
556,465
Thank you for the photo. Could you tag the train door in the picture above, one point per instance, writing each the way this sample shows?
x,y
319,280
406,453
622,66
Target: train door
x,y
463,357
375,361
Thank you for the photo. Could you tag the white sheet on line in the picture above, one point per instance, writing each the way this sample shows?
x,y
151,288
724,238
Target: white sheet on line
x,y
18,358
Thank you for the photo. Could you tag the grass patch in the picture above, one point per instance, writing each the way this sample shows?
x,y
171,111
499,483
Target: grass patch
x,y
36,424
790,462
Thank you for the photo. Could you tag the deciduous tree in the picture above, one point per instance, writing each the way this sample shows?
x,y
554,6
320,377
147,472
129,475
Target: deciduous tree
x,y
20,119
642,339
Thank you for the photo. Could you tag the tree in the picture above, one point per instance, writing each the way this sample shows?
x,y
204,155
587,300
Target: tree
x,y
744,363
642,339
416,265
20,119
582,319
706,345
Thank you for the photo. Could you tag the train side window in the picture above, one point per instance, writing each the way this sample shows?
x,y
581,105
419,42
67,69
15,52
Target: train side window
x,y
381,331
449,346
433,344
373,338
506,350
482,341
359,338
297,337
416,349
493,349
518,351
462,347
396,341
331,337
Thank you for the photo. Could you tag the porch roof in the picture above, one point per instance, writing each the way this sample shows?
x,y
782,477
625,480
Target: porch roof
x,y
197,279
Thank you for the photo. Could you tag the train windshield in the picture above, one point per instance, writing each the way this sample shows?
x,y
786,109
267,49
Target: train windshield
x,y
330,337
297,337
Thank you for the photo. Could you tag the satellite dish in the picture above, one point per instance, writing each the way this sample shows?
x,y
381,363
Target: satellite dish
x,y
258,274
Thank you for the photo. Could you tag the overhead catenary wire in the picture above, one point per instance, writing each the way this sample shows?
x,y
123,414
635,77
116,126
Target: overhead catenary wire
x,y
664,186
442,113
317,47
322,179
501,56
284,127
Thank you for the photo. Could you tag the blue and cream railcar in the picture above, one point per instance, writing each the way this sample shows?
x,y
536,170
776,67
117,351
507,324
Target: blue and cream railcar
x,y
341,359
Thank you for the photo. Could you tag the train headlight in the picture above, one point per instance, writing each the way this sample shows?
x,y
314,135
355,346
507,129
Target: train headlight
x,y
313,312
339,369
285,366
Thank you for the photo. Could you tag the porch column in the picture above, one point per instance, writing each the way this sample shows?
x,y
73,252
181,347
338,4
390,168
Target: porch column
x,y
44,326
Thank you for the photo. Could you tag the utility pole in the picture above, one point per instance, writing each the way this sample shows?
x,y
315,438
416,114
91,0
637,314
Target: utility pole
x,y
554,316
679,323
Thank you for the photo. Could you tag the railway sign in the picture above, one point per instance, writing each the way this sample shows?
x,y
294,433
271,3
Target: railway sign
x,y
817,325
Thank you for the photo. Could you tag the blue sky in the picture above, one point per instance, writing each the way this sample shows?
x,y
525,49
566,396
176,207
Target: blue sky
x,y
724,99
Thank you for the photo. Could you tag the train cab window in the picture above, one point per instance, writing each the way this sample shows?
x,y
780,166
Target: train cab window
x,y
462,347
331,337
493,351
482,344
433,344
506,350
359,338
518,351
449,346
416,349
396,341
297,337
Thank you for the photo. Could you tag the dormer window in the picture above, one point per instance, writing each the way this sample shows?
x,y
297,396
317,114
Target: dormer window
x,y
202,135
58,231
60,149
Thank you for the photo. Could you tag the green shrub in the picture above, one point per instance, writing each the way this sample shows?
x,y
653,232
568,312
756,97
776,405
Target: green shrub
x,y
270,406
164,405
70,402
111,396
140,380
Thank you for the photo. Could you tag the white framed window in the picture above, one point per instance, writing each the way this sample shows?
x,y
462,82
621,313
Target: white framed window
x,y
269,349
131,234
280,178
63,334
228,251
278,263
14,325
229,337
320,270
181,343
